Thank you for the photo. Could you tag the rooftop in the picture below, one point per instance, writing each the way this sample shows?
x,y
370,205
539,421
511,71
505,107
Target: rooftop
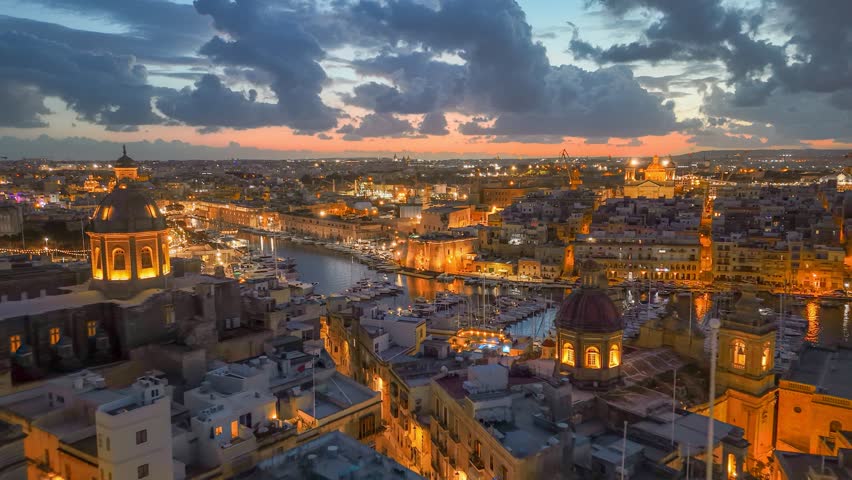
x,y
333,455
826,369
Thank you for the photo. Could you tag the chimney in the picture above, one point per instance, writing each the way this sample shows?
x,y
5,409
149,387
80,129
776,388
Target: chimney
x,y
566,439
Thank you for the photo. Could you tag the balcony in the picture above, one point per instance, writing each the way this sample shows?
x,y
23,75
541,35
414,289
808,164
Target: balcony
x,y
454,436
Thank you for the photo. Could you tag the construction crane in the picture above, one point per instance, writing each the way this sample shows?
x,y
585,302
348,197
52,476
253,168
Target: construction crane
x,y
564,155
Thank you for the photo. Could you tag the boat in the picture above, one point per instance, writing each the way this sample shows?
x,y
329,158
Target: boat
x,y
445,278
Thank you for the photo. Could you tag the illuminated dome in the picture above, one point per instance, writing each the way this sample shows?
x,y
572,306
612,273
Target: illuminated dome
x,y
128,209
129,243
589,333
589,308
655,165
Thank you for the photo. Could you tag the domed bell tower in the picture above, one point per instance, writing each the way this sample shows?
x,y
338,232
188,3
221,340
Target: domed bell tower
x,y
129,243
589,330
745,373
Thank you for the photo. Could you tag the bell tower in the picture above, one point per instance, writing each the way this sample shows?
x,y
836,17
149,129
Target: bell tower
x,y
745,374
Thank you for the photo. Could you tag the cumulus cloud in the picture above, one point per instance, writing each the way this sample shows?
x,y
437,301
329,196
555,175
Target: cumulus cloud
x,y
102,88
434,123
21,105
258,36
376,125
506,74
210,103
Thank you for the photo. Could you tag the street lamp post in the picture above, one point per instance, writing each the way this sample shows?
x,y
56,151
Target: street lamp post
x,y
715,323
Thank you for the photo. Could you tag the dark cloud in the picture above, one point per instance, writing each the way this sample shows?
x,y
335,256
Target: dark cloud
x,y
324,136
377,125
505,74
156,27
100,87
608,102
261,37
504,67
420,84
596,141
434,123
209,103
21,106
785,118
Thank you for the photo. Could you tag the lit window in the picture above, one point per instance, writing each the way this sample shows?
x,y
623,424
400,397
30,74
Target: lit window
x,y
235,429
151,211
146,258
217,431
169,315
738,353
593,357
14,343
765,357
568,355
91,328
614,356
118,259
105,213
54,335
732,466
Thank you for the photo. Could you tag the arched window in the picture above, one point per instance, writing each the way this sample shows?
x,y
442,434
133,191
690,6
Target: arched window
x,y
614,356
765,357
118,259
146,258
738,353
593,357
835,427
568,354
732,466
97,263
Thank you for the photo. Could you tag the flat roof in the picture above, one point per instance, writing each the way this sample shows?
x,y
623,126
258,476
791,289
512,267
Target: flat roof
x,y
827,369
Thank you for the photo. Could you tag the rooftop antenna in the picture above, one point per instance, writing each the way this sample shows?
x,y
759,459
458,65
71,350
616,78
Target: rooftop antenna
x,y
624,450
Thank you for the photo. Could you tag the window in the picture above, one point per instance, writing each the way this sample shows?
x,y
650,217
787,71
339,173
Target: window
x,y
614,356
142,471
366,426
732,466
235,429
96,261
14,343
141,436
568,355
107,443
246,420
146,258
54,335
738,353
118,259
765,361
217,431
169,315
593,357
91,328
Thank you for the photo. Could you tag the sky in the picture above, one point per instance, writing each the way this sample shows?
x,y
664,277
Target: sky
x,y
180,79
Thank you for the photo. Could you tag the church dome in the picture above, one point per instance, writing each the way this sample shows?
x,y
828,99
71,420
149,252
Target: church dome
x,y
655,165
589,308
124,161
128,209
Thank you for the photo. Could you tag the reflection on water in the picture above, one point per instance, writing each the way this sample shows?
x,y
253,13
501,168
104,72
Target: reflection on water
x,y
812,316
334,272
702,304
